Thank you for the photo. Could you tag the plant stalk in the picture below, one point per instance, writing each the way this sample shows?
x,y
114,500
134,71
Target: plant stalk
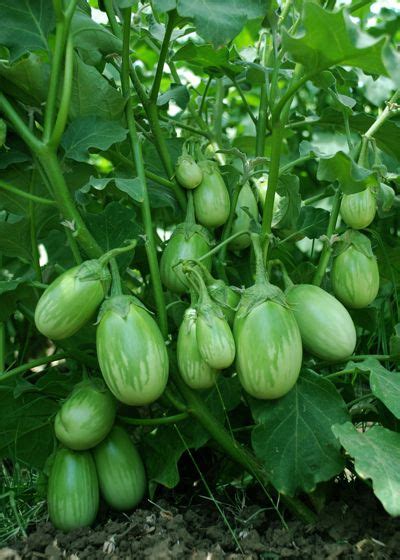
x,y
138,158
327,250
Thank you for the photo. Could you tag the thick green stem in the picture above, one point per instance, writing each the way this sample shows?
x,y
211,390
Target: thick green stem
x,y
327,250
154,421
137,155
261,128
386,113
62,30
244,100
62,116
162,57
27,136
116,287
276,146
50,163
226,237
27,195
33,363
218,110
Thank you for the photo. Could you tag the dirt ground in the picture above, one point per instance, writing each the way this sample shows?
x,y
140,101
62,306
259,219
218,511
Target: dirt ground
x,y
353,526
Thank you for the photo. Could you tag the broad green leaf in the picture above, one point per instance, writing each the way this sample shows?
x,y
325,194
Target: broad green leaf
x,y
132,187
115,225
92,94
312,222
25,25
15,239
90,132
287,206
93,40
159,196
27,79
376,455
293,437
176,92
213,61
351,177
384,384
11,157
163,5
219,21
330,38
26,429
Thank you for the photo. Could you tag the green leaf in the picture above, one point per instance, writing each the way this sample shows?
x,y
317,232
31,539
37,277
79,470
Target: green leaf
x,y
90,132
377,457
26,430
394,342
92,94
287,210
15,239
330,38
27,79
25,25
132,187
93,40
11,157
176,92
351,177
219,21
312,222
163,5
159,196
384,384
213,61
115,225
293,437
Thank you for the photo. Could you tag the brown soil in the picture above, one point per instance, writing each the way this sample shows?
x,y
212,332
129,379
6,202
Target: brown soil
x,y
353,527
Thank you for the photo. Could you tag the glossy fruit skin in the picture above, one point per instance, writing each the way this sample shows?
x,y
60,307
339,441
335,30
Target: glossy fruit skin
x,y
358,210
242,220
71,300
131,352
268,350
193,368
86,417
120,470
211,198
187,242
355,278
73,490
326,328
188,173
227,298
214,337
